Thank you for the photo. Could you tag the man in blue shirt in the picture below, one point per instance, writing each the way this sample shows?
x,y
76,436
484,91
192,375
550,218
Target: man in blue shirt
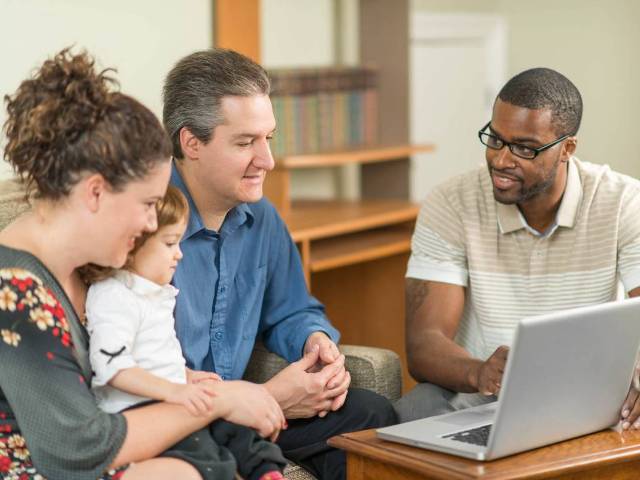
x,y
241,278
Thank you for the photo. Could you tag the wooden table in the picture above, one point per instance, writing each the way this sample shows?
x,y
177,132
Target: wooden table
x,y
602,455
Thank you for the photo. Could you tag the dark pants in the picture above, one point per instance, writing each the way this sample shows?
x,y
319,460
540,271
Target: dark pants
x,y
427,400
305,441
222,448
254,455
217,451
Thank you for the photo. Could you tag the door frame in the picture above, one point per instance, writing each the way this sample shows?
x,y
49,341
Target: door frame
x,y
490,29
431,29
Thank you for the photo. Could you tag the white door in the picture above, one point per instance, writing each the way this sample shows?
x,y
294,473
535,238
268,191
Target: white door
x,y
457,67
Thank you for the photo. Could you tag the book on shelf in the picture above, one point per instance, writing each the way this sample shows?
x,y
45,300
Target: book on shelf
x,y
323,109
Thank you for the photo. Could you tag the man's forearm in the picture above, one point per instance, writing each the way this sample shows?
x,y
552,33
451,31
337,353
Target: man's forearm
x,y
434,358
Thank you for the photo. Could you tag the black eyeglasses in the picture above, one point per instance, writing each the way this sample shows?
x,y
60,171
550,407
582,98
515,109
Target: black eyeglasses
x,y
528,153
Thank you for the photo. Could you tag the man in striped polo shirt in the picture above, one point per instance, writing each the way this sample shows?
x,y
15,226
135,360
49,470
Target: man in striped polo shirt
x,y
539,231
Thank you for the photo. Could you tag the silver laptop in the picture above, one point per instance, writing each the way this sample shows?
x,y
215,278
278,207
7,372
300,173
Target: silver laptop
x,y
567,375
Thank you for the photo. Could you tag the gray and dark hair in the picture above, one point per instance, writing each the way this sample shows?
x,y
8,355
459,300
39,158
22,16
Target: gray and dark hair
x,y
196,85
539,88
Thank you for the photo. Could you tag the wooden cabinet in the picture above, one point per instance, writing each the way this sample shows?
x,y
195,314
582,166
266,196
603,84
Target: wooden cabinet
x,y
354,253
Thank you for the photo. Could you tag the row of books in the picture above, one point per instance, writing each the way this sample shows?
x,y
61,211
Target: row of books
x,y
323,109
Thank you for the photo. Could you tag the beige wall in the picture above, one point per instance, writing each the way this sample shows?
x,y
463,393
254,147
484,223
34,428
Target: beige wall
x,y
595,44
297,33
137,36
122,33
455,6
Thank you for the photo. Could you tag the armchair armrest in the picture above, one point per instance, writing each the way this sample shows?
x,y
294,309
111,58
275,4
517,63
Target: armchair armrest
x,y
263,364
12,201
375,369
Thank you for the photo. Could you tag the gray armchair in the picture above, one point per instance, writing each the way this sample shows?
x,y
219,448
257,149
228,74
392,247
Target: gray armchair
x,y
371,368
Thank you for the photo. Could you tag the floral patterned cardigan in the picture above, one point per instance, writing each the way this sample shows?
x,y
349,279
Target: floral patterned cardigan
x,y
50,425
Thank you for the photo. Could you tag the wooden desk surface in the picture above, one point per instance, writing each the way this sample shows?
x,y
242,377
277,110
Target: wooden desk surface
x,y
606,454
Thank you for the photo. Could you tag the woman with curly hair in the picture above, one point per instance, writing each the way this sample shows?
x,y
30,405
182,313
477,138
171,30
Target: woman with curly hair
x,y
94,163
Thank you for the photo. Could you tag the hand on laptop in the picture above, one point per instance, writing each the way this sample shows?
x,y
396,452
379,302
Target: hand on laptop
x,y
488,376
630,413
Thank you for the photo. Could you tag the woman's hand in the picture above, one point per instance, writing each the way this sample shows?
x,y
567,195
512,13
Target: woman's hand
x,y
251,405
198,399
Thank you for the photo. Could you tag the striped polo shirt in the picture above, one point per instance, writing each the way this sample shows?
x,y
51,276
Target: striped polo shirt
x,y
464,237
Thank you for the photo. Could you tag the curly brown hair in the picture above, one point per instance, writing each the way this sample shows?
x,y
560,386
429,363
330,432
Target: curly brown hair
x,y
67,121
171,209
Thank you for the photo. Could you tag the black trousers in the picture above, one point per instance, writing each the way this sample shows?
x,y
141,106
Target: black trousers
x,y
305,441
254,455
222,448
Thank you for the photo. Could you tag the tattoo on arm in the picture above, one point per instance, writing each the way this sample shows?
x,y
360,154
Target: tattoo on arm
x,y
416,292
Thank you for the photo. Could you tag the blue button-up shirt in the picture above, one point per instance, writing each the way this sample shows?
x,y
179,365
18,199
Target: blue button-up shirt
x,y
238,284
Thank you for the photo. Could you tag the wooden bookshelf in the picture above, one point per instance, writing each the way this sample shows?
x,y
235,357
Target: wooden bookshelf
x,y
333,234
316,219
360,247
354,253
277,186
365,154
236,25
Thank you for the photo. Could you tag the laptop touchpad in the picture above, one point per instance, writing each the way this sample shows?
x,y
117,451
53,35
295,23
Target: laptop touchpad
x,y
468,418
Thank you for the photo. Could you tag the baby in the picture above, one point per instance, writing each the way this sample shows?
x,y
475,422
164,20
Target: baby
x,y
136,356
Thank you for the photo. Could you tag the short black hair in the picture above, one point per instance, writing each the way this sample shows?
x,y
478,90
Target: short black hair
x,y
540,88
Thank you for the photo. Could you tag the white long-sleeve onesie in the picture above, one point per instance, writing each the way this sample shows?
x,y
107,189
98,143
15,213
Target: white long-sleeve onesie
x,y
130,322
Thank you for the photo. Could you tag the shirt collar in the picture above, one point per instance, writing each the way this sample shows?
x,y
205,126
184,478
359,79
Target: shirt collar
x,y
568,211
144,287
236,216
510,219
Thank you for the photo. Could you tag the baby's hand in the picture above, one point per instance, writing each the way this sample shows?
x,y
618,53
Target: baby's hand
x,y
197,376
196,397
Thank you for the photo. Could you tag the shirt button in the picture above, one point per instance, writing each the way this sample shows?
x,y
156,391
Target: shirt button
x,y
223,377
218,335
223,289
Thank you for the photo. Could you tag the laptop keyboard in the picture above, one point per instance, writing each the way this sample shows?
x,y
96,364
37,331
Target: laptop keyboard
x,y
476,436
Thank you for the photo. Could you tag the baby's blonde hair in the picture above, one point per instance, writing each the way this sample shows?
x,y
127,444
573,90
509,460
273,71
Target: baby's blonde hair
x,y
171,209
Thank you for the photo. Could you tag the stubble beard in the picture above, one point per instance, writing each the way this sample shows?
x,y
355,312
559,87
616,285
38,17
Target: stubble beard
x,y
526,194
